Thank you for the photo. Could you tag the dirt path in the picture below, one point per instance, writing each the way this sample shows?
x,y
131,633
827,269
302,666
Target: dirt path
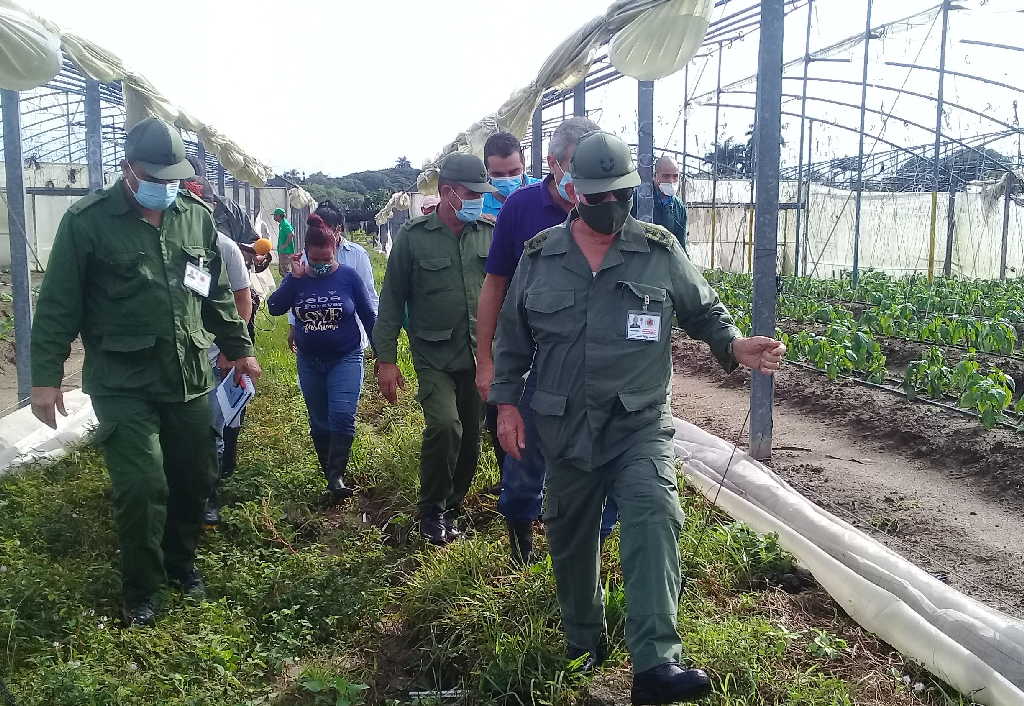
x,y
862,455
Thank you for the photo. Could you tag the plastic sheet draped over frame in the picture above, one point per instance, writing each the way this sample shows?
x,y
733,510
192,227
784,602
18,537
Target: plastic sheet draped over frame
x,y
28,59
635,25
24,439
975,648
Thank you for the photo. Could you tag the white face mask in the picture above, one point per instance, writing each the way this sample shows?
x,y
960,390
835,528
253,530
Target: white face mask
x,y
668,188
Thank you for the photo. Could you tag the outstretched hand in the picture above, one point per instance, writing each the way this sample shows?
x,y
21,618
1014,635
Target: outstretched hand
x,y
759,353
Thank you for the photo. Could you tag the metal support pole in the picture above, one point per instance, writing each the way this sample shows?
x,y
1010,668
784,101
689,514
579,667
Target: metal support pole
x,y
579,98
235,190
807,195
248,200
716,147
256,205
21,283
947,265
220,179
686,105
537,144
1004,248
803,126
767,136
939,106
645,150
93,135
860,148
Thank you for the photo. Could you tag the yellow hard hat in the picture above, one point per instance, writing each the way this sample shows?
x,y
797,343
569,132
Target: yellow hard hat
x,y
261,246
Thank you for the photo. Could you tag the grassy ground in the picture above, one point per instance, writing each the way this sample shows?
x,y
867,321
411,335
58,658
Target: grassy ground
x,y
348,607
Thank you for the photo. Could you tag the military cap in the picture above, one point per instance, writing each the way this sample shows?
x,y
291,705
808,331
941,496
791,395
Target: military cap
x,y
157,147
602,162
468,170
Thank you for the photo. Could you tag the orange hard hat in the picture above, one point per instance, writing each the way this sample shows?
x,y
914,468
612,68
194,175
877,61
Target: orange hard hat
x,y
261,246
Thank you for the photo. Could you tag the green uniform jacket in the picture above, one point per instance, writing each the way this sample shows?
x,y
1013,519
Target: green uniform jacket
x,y
597,391
437,277
117,280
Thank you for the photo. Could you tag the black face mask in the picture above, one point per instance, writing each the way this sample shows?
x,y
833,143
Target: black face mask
x,y
607,217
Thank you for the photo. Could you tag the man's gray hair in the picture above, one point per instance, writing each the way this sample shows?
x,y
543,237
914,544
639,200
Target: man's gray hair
x,y
568,134
665,160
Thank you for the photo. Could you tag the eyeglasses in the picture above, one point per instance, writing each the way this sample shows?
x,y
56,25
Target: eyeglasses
x,y
600,196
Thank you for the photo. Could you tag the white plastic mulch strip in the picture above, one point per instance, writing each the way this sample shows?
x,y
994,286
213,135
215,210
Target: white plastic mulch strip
x,y
974,648
24,439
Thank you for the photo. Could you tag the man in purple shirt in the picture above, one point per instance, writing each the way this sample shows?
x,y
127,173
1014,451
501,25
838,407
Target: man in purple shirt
x,y
525,213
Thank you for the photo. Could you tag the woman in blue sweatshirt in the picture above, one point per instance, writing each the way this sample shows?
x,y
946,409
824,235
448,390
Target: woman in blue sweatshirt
x,y
326,298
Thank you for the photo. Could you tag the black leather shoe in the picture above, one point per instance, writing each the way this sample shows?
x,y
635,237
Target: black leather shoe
x,y
138,614
211,515
190,583
451,529
432,529
594,658
669,683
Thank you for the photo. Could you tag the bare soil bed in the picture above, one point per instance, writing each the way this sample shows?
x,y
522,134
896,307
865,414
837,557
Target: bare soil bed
x,y
932,485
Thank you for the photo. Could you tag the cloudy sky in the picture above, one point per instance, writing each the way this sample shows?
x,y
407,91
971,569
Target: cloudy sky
x,y
344,86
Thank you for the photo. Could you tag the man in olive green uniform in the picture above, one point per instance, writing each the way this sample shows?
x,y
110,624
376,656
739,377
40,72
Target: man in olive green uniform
x,y
136,271
435,270
597,296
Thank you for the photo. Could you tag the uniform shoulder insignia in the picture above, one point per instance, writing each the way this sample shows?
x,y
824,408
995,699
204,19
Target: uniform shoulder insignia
x,y
658,234
87,201
535,243
189,195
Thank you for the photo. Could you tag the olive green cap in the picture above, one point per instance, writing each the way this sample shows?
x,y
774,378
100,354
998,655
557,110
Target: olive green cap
x,y
279,212
602,162
157,148
468,170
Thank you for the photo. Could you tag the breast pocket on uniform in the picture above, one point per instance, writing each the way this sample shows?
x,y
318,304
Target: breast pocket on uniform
x,y
550,311
435,275
121,274
643,314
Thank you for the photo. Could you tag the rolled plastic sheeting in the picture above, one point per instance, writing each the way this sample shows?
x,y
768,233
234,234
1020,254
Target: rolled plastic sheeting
x,y
29,50
24,439
661,41
975,648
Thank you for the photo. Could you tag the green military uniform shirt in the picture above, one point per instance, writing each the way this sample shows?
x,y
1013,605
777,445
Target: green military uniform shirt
x,y
598,391
117,280
437,276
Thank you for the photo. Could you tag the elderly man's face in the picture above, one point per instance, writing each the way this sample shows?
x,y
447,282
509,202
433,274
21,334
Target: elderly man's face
x,y
666,173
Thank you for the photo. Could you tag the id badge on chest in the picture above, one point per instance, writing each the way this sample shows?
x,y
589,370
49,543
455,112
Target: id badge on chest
x,y
197,278
643,325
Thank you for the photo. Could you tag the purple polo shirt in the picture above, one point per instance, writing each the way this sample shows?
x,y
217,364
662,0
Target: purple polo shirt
x,y
528,211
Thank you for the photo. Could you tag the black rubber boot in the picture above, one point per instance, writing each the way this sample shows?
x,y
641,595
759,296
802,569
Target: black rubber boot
x,y
211,513
669,683
229,459
322,445
190,582
520,537
337,462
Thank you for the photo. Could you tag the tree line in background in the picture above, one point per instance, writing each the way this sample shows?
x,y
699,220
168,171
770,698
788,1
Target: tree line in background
x,y
361,193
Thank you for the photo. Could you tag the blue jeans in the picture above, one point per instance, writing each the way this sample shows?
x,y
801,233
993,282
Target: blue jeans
x,y
330,387
522,482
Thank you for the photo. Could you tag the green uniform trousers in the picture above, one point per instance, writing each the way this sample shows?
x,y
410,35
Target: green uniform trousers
x,y
162,464
452,413
642,482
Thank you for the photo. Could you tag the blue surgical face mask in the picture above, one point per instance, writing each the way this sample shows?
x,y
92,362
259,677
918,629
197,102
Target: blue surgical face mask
x,y
563,182
471,209
320,269
506,185
153,195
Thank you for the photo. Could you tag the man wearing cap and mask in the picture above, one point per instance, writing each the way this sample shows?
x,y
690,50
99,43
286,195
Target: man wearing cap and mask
x,y
435,272
669,209
136,272
590,308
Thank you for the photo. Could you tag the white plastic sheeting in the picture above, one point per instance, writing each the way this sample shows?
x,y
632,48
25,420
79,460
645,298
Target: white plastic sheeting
x,y
633,26
30,56
974,648
23,438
